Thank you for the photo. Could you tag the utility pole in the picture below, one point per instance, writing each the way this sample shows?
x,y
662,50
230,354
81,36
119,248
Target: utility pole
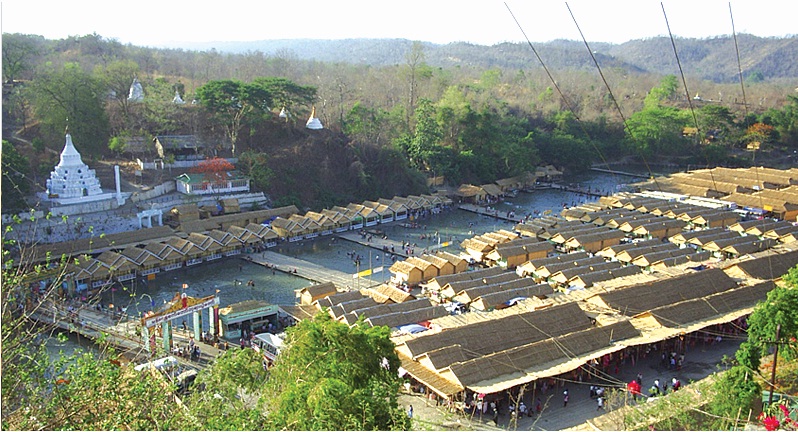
x,y
775,359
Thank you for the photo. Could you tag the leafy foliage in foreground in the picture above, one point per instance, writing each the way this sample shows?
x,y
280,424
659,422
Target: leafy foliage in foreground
x,y
333,377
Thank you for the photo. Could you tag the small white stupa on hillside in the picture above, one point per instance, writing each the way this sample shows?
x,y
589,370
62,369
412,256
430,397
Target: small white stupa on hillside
x,y
177,99
136,91
284,114
313,121
72,178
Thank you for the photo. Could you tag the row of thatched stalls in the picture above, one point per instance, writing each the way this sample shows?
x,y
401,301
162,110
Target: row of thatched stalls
x,y
758,191
623,235
167,254
638,270
548,334
357,216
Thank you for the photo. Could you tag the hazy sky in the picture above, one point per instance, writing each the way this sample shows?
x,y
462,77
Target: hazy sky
x,y
158,23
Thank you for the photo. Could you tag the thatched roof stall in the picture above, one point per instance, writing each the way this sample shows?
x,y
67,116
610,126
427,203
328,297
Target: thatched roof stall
x,y
244,235
437,283
453,288
263,232
335,299
414,316
545,271
443,266
573,256
718,245
516,252
659,229
754,245
741,226
641,298
522,364
594,242
460,264
769,267
389,292
307,295
698,310
718,218
628,226
781,232
492,189
492,300
563,276
201,241
389,308
601,218
628,255
614,250
561,236
761,229
468,295
405,272
185,213
428,270
98,244
680,259
700,240
186,247
684,236
587,280
502,333
648,258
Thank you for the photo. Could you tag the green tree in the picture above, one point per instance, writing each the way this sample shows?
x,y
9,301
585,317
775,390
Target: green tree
x,y
286,93
658,131
256,166
335,377
117,77
231,102
18,51
665,91
70,94
780,309
226,394
16,185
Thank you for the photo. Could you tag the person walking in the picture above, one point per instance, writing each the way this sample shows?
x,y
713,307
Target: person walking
x,y
410,412
600,402
565,398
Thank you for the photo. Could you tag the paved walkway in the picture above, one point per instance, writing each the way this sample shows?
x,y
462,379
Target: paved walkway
x,y
700,362
305,269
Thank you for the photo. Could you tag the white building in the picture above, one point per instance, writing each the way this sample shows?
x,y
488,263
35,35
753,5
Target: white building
x,y
313,121
136,91
201,184
72,178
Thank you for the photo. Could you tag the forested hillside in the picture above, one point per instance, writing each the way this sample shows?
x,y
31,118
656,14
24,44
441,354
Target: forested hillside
x,y
395,111
713,59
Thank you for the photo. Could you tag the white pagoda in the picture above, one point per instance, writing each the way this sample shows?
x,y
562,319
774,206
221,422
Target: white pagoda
x,y
136,91
177,99
72,178
313,121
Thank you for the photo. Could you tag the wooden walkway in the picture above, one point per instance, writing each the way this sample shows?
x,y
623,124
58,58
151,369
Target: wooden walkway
x,y
492,213
307,270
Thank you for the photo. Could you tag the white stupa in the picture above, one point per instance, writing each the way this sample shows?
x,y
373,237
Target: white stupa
x,y
177,99
136,91
284,114
313,121
72,178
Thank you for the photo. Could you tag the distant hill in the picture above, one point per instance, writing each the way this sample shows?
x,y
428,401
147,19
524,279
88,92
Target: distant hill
x,y
713,59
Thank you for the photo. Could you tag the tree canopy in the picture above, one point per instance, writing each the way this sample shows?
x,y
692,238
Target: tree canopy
x,y
335,377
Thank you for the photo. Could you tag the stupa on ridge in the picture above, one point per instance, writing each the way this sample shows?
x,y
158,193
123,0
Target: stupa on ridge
x,y
136,91
313,121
